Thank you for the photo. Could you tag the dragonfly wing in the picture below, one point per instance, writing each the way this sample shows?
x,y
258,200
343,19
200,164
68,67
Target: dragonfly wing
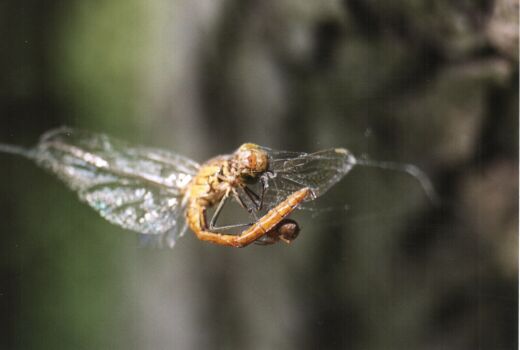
x,y
318,171
137,188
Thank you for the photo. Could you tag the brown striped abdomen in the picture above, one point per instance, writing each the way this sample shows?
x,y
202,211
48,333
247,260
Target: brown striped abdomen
x,y
274,216
197,222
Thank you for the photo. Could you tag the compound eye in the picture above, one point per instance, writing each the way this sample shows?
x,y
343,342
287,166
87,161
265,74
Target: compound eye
x,y
247,160
251,161
258,161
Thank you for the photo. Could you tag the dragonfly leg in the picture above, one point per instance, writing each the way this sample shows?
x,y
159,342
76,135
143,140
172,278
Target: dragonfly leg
x,y
253,197
214,218
228,227
264,181
258,200
240,201
212,223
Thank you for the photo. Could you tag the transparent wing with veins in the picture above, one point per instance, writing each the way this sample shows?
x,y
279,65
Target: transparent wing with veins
x,y
292,171
137,188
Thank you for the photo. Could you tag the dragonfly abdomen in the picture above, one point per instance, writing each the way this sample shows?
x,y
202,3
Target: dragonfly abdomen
x,y
274,216
197,222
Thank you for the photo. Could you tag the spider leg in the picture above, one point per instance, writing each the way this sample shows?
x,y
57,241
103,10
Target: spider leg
x,y
266,242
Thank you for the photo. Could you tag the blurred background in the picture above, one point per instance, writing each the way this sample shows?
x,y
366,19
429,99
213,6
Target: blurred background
x,y
432,83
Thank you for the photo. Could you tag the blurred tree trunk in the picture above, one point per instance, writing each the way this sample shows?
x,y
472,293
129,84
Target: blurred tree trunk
x,y
433,83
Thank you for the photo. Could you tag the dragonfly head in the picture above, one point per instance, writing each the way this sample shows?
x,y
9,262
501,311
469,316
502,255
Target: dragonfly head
x,y
251,161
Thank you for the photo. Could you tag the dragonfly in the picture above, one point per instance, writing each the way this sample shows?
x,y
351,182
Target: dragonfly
x,y
159,193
